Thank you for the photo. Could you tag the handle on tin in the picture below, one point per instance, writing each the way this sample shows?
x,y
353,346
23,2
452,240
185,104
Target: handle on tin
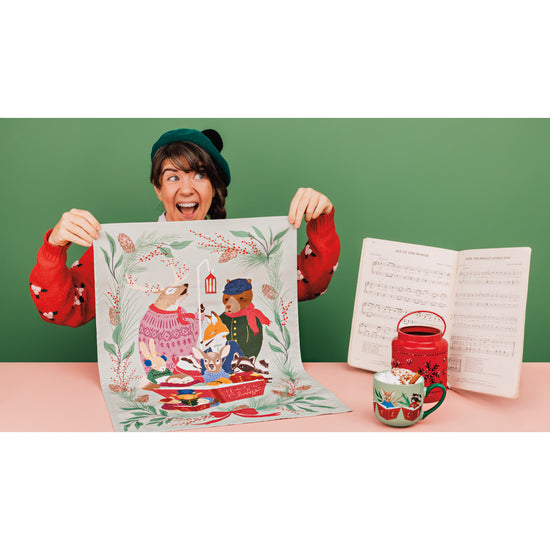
x,y
424,311
438,404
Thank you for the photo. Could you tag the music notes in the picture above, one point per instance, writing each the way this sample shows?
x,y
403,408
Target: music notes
x,y
372,331
372,309
420,298
506,324
490,277
484,346
491,300
411,273
489,319
393,282
481,294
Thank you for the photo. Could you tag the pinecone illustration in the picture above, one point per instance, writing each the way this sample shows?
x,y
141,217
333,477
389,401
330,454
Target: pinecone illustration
x,y
142,399
116,388
227,255
126,243
269,292
113,317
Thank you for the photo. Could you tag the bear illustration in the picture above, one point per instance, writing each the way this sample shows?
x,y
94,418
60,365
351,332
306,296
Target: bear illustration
x,y
242,319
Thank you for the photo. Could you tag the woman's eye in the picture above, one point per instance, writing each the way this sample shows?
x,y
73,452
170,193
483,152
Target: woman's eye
x,y
173,178
200,176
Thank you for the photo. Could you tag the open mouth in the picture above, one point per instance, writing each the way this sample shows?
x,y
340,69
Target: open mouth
x,y
187,208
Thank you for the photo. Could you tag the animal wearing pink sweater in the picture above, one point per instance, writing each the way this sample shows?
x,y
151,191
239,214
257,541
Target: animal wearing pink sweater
x,y
173,330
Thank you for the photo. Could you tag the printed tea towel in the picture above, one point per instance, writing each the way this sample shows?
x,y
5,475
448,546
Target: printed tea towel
x,y
197,325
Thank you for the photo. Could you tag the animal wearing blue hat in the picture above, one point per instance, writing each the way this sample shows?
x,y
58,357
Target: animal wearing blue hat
x,y
242,319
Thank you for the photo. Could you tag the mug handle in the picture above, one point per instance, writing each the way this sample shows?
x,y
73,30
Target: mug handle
x,y
438,404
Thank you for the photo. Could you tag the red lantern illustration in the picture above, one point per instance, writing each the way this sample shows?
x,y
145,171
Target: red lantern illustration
x,y
422,349
210,284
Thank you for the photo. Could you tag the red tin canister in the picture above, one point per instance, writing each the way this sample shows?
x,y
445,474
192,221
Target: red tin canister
x,y
422,349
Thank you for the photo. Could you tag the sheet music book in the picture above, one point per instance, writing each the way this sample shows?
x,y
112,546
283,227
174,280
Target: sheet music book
x,y
481,294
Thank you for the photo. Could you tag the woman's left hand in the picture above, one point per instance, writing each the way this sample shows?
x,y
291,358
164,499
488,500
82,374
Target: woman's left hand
x,y
309,203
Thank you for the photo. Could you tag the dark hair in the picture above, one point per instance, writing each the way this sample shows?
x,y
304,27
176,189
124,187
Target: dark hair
x,y
198,160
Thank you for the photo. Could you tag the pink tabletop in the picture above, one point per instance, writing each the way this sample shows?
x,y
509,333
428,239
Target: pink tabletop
x,y
67,397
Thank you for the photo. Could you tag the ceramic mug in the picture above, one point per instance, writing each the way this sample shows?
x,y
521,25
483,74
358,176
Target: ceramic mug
x,y
400,405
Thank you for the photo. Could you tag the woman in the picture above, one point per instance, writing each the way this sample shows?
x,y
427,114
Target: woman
x,y
190,178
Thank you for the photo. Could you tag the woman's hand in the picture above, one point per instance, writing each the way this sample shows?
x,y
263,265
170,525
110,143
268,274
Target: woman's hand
x,y
310,203
75,226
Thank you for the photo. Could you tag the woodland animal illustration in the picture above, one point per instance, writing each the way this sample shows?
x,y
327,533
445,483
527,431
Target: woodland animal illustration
x,y
416,400
213,363
154,362
243,320
388,399
215,338
249,364
173,330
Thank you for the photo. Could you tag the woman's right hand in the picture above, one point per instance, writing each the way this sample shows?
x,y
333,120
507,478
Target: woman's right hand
x,y
75,226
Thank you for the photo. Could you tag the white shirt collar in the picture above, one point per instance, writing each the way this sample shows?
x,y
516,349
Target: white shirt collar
x,y
162,217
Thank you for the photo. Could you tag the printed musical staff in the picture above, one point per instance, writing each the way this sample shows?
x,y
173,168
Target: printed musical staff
x,y
405,272
481,294
420,298
371,309
376,332
493,323
482,345
454,364
492,277
487,300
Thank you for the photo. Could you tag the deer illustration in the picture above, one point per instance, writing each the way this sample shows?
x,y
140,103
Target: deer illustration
x,y
173,330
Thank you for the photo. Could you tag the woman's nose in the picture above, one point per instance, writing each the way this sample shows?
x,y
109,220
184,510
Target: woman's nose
x,y
186,183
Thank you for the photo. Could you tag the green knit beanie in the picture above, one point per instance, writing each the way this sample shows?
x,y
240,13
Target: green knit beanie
x,y
209,140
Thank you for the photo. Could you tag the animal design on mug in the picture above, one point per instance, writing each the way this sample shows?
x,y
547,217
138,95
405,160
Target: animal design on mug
x,y
416,401
388,399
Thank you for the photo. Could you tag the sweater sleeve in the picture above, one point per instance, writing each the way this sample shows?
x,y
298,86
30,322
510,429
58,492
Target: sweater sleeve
x,y
319,259
63,296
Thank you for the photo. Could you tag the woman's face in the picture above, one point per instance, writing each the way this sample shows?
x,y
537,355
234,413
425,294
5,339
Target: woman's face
x,y
186,195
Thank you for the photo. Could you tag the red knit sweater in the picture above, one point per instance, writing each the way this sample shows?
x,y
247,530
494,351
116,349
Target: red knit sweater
x,y
66,296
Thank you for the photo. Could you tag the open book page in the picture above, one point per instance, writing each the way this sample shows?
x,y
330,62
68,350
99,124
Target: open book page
x,y
486,346
396,279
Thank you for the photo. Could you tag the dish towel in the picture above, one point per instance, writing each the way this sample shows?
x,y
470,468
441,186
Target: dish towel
x,y
235,358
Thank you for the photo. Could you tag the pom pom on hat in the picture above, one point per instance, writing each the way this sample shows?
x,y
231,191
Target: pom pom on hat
x,y
215,138
209,140
236,286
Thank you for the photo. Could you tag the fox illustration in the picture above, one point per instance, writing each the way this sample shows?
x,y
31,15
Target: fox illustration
x,y
215,339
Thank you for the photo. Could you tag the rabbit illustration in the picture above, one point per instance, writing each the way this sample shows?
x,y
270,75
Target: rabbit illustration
x,y
213,363
155,363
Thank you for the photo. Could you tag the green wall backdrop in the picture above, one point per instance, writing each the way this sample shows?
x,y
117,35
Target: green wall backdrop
x,y
451,183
